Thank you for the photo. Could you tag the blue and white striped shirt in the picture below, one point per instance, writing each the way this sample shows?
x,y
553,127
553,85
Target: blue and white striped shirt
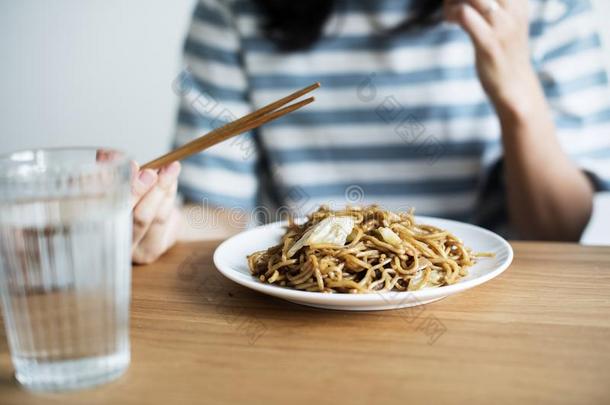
x,y
400,120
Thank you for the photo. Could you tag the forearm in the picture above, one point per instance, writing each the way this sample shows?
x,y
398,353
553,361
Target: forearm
x,y
549,197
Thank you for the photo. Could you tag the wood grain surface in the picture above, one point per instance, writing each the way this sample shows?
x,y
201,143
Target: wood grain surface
x,y
539,333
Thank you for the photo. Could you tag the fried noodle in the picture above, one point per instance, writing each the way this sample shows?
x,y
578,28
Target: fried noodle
x,y
422,256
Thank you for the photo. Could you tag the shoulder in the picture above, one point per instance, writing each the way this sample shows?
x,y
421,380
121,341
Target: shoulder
x,y
229,6
224,12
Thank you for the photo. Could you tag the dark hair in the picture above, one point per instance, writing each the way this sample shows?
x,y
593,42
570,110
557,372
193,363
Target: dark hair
x,y
297,25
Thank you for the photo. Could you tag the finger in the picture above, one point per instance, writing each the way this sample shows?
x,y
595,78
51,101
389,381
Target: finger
x,y
164,211
482,5
148,209
491,10
141,183
156,244
156,239
168,176
165,207
479,30
166,191
163,230
144,213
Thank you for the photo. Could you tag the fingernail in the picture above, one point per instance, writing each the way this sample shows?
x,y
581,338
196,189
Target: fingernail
x,y
147,177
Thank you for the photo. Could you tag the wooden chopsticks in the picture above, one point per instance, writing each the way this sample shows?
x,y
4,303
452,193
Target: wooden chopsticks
x,y
246,123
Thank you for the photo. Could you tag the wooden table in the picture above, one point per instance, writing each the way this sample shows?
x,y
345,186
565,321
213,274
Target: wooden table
x,y
538,333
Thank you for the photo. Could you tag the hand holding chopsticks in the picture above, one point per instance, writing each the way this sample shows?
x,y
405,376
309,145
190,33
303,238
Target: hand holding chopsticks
x,y
246,123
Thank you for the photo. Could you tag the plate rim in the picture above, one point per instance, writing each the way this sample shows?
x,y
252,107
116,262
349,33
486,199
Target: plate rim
x,y
385,296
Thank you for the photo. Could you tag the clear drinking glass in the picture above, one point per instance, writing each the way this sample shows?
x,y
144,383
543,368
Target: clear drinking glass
x,y
65,266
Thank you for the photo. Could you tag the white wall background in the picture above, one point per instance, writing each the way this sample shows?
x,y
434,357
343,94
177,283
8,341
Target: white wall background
x,y
94,72
99,73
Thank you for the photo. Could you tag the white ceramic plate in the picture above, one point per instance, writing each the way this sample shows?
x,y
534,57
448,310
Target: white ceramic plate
x,y
230,259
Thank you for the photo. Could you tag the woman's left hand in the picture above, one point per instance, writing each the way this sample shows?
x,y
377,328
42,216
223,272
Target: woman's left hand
x,y
499,30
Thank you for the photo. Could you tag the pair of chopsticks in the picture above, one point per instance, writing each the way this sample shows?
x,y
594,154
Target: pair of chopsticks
x,y
246,123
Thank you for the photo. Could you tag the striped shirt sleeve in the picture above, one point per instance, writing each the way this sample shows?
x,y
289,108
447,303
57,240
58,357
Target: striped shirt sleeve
x,y
569,59
213,91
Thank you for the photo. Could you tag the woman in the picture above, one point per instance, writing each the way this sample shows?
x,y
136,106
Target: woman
x,y
497,115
